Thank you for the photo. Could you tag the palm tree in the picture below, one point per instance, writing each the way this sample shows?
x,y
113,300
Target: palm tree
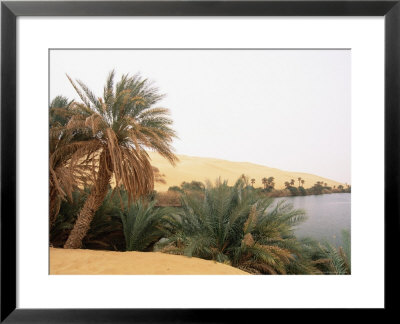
x,y
252,182
236,226
270,183
64,177
299,179
122,125
287,184
302,182
292,182
264,182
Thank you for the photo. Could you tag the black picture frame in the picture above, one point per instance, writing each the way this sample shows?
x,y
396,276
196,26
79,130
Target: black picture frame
x,y
11,10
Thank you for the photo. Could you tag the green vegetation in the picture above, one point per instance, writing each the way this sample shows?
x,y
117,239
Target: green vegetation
x,y
236,226
142,225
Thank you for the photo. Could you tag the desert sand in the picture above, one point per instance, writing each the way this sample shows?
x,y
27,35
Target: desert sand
x,y
200,169
90,262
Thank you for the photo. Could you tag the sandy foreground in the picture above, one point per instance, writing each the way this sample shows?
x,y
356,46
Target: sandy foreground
x,y
200,169
90,262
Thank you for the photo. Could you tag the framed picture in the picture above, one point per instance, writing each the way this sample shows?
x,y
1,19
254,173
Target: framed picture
x,y
195,152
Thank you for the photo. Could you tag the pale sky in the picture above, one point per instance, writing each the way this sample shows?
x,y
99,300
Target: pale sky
x,y
287,109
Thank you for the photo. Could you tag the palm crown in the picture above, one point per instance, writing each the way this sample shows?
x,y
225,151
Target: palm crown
x,y
123,125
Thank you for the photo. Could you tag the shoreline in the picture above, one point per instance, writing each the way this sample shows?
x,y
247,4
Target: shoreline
x,y
172,198
311,194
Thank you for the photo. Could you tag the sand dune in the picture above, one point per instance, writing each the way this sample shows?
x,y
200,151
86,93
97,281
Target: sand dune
x,y
90,262
198,168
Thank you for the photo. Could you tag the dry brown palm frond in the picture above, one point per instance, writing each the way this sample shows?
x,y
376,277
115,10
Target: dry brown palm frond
x,y
131,168
80,109
264,268
61,111
321,261
248,239
283,254
76,121
60,168
157,140
250,220
172,249
66,178
154,111
257,267
95,122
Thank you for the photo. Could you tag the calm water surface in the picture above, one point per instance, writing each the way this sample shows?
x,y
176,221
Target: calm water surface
x,y
327,215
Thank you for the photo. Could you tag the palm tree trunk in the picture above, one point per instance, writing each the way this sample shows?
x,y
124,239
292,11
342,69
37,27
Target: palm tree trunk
x,y
92,204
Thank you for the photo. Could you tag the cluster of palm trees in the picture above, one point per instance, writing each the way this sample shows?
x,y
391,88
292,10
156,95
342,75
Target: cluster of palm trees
x,y
267,182
291,183
236,226
321,183
102,139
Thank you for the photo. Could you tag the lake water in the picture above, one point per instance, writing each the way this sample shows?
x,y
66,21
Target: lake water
x,y
327,215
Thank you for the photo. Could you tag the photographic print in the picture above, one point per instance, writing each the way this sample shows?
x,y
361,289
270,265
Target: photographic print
x,y
200,161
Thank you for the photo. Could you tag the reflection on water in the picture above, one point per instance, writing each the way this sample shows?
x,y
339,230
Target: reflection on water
x,y
327,215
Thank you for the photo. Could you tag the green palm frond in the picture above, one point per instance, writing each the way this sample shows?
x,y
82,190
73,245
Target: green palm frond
x,y
331,259
142,225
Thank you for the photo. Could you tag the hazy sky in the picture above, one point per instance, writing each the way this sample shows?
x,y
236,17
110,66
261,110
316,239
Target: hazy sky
x,y
288,109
